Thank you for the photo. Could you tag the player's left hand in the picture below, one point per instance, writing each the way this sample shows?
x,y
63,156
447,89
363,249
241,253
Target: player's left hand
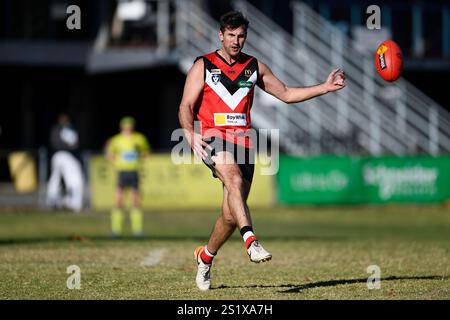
x,y
335,80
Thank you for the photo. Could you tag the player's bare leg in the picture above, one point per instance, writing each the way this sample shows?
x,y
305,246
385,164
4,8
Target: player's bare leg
x,y
119,197
136,215
225,223
223,229
235,212
136,199
117,214
230,175
238,189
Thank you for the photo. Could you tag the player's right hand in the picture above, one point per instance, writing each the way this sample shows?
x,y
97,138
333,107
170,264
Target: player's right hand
x,y
198,145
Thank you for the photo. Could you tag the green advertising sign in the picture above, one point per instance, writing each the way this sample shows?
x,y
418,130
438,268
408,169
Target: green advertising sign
x,y
407,179
321,180
343,180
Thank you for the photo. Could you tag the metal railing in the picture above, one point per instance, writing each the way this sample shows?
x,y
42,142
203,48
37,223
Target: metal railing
x,y
369,116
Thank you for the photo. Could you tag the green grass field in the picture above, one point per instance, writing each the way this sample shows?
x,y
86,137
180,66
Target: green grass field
x,y
318,253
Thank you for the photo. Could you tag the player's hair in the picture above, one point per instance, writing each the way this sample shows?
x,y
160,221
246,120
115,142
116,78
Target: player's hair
x,y
233,20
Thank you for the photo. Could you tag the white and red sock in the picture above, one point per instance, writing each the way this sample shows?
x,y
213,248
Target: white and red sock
x,y
248,235
206,256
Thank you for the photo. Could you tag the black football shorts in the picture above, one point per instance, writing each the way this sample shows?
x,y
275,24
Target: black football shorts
x,y
244,157
128,179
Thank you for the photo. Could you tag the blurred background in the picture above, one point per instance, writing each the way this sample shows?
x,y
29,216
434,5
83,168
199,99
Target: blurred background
x,y
372,142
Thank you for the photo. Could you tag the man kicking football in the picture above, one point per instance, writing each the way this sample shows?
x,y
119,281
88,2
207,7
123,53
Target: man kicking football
x,y
218,93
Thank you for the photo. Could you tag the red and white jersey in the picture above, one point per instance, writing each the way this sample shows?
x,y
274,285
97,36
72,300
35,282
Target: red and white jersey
x,y
224,106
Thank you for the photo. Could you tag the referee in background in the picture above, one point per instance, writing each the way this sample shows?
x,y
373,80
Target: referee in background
x,y
126,150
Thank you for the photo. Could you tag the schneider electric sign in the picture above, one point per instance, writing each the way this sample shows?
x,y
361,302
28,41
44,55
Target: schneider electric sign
x,y
416,181
330,179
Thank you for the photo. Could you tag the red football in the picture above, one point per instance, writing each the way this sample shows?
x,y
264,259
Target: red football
x,y
389,60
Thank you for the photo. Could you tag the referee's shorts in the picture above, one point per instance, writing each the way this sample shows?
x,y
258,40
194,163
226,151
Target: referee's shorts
x,y
128,179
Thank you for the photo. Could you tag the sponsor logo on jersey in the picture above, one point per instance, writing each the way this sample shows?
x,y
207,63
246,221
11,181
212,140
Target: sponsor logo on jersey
x,y
230,119
129,156
248,73
245,84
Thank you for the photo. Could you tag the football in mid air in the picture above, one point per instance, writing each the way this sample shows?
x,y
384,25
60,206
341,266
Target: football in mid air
x,y
389,60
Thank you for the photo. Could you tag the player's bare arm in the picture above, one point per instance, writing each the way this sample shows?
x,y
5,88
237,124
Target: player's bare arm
x,y
271,84
192,90
108,152
145,155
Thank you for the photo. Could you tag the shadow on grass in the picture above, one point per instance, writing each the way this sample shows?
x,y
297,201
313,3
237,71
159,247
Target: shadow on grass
x,y
158,237
93,239
298,288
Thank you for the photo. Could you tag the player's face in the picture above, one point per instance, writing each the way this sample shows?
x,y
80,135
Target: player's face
x,y
233,40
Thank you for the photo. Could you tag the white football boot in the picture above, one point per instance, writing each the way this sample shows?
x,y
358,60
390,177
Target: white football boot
x,y
257,253
203,278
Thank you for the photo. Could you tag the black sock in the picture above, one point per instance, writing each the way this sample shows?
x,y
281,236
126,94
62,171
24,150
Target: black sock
x,y
245,229
248,236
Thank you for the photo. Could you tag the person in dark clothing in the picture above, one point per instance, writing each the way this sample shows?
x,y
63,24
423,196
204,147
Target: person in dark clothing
x,y
65,167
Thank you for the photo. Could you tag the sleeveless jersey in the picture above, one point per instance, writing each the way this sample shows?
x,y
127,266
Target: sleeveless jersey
x,y
224,106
